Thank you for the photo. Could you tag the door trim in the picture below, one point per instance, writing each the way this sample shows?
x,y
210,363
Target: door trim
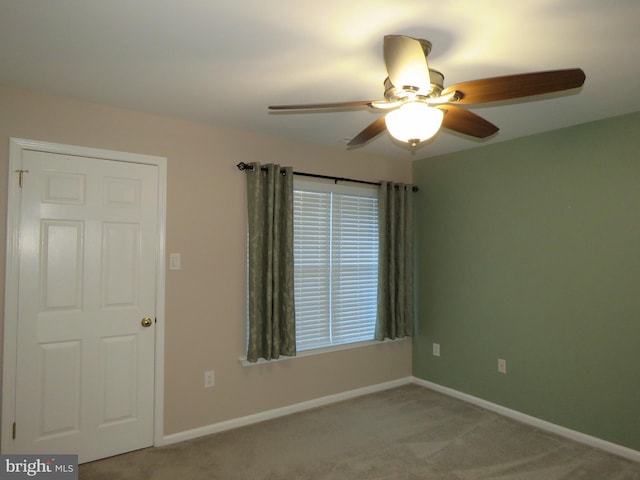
x,y
16,147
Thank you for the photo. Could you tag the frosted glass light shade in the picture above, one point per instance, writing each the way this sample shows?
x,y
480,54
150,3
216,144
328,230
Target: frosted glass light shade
x,y
414,122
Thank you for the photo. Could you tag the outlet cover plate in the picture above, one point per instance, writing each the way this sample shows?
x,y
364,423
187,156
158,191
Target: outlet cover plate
x,y
502,365
209,379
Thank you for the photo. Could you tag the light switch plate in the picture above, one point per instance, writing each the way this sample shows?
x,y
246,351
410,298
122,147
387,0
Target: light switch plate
x,y
174,261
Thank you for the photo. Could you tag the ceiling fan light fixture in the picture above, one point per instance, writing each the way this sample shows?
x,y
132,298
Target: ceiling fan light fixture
x,y
414,122
415,99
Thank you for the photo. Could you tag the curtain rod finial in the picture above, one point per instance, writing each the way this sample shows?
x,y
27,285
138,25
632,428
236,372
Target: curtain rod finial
x,y
244,166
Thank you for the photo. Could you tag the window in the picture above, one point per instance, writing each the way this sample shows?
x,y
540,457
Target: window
x,y
335,263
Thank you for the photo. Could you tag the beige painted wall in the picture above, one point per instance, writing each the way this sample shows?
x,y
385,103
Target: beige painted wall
x,y
205,301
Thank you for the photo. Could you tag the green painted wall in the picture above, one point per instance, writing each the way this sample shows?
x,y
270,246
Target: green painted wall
x,y
529,250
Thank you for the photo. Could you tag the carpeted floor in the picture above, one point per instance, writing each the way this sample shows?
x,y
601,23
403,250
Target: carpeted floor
x,y
405,433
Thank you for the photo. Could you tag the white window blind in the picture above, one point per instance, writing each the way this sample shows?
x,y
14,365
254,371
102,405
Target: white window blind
x,y
335,264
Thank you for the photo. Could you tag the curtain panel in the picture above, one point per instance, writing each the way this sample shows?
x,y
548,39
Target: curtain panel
x,y
270,278
395,266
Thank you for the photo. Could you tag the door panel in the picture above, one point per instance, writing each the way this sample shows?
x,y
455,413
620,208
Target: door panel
x,y
62,257
119,379
60,388
87,276
120,263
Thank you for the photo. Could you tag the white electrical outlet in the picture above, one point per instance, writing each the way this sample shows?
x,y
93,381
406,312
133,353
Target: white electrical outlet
x,y
502,365
209,379
436,349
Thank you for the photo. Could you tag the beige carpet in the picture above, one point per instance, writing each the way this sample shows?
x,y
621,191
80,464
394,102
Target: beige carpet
x,y
404,433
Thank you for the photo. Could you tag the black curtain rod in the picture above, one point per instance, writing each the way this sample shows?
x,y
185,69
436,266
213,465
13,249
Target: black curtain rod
x,y
243,166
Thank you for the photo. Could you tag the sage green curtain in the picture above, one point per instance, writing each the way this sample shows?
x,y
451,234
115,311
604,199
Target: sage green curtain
x,y
395,263
271,300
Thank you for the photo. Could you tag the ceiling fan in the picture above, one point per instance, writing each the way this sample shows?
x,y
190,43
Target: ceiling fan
x,y
418,104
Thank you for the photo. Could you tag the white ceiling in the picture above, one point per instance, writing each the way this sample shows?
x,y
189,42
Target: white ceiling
x,y
224,62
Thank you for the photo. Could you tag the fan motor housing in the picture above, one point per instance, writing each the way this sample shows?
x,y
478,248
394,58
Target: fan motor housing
x,y
393,93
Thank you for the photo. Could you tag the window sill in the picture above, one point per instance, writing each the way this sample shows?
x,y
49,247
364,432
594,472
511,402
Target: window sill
x,y
320,351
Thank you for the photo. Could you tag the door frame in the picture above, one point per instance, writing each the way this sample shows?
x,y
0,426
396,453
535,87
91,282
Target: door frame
x,y
16,147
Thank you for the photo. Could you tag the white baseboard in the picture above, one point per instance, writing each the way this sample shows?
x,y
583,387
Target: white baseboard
x,y
535,422
280,412
338,397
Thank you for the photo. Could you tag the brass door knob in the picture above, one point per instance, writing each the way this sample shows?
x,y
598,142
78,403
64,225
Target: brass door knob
x,y
146,322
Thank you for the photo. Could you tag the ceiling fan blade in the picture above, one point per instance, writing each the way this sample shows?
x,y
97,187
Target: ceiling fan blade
x,y
406,62
464,121
516,86
373,130
316,106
